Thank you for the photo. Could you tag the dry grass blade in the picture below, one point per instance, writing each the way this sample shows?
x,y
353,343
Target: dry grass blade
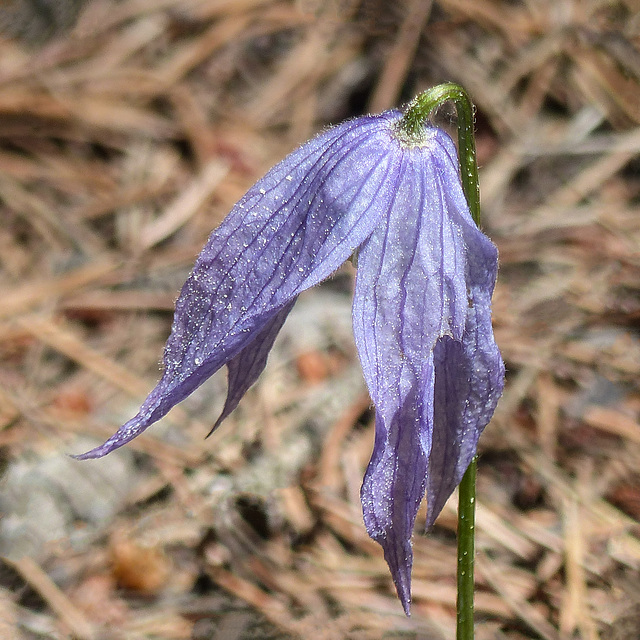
x,y
71,616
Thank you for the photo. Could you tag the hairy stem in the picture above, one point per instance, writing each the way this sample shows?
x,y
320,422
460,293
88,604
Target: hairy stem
x,y
419,111
412,126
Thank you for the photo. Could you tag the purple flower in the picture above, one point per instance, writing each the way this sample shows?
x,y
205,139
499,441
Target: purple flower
x,y
421,311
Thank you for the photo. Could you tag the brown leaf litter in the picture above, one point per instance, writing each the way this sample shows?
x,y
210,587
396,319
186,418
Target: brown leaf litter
x,y
128,128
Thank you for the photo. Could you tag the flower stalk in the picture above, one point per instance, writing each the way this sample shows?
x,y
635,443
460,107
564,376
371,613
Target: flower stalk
x,y
466,552
412,124
418,113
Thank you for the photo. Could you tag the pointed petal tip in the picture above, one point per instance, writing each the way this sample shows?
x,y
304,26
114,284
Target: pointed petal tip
x,y
95,453
399,557
405,599
216,424
127,432
402,579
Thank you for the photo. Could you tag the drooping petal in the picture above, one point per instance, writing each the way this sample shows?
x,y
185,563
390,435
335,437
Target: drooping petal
x,y
470,372
247,366
395,483
415,295
291,230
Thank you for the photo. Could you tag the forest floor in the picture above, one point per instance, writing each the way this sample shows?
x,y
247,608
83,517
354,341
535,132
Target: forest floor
x,y
127,132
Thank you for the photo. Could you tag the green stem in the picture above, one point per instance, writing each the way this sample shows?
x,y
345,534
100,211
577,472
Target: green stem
x,y
412,126
419,111
466,552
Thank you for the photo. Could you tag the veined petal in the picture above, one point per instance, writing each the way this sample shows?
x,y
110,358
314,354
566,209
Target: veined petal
x,y
470,372
247,366
291,230
419,300
468,383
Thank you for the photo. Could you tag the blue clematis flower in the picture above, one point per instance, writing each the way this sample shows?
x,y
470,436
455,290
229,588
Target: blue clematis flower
x,y
421,311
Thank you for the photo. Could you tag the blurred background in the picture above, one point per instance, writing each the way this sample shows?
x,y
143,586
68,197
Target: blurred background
x,y
127,131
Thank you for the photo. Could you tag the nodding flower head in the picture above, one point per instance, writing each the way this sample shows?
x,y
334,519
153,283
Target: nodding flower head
x,y
421,309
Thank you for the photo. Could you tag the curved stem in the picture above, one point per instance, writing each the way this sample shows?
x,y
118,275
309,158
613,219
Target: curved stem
x,y
412,126
419,111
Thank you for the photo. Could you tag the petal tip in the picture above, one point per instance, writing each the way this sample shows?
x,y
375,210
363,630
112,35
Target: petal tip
x,y
217,423
402,580
399,557
93,454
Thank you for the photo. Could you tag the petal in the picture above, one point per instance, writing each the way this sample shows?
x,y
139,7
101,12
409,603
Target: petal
x,y
470,372
468,383
394,483
415,297
291,230
247,366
